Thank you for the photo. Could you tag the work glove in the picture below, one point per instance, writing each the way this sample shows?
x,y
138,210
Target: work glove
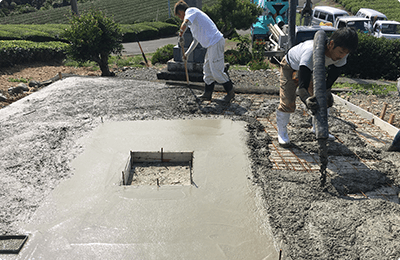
x,y
181,40
329,98
309,101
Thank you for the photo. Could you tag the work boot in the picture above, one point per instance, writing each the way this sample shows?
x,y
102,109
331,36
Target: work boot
x,y
395,146
228,86
282,119
330,137
208,90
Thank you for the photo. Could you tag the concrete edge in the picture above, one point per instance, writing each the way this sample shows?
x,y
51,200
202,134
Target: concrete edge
x,y
220,88
392,130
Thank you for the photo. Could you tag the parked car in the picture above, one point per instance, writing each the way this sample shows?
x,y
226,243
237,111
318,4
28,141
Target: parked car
x,y
359,23
326,15
371,14
304,33
387,29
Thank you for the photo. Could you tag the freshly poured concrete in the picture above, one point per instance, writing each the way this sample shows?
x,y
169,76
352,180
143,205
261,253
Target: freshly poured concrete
x,y
91,216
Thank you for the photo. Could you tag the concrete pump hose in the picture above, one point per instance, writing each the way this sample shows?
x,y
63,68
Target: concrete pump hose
x,y
319,82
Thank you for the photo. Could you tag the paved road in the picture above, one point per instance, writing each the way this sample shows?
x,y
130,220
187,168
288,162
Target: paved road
x,y
132,48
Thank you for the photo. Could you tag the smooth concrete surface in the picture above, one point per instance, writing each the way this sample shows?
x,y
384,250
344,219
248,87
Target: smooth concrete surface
x,y
91,216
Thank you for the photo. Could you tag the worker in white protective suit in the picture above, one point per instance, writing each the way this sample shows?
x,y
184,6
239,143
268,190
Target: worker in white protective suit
x,y
205,32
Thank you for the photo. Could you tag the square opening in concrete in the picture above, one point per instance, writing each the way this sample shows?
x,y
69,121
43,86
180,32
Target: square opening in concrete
x,y
12,244
158,168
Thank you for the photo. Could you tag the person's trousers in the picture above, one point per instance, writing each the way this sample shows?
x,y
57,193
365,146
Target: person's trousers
x,y
213,68
288,84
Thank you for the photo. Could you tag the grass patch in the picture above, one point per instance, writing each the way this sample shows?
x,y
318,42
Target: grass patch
x,y
368,89
118,61
21,79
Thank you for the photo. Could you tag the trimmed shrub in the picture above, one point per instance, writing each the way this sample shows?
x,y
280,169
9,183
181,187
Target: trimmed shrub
x,y
93,37
164,29
375,58
163,54
133,32
19,52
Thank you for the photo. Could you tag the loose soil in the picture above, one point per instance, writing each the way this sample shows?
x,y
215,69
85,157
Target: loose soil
x,y
35,71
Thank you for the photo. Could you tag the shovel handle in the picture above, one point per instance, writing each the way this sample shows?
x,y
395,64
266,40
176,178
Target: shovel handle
x,y
186,70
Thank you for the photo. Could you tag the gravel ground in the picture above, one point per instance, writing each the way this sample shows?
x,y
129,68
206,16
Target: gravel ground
x,y
39,140
248,79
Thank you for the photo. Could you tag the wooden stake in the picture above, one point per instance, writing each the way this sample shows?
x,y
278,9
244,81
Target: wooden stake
x,y
383,110
162,154
391,119
280,254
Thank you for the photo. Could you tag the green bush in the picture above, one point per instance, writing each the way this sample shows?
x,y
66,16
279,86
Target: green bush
x,y
163,54
19,52
237,57
93,37
258,65
230,15
242,54
133,32
164,29
174,20
375,58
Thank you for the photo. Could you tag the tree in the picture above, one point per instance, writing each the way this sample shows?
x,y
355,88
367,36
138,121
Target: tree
x,y
93,37
229,15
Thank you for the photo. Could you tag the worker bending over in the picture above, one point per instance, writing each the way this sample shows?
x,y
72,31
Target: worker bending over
x,y
205,32
300,59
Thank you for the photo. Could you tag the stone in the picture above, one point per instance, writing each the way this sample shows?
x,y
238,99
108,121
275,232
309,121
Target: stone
x,y
45,83
33,83
2,98
23,87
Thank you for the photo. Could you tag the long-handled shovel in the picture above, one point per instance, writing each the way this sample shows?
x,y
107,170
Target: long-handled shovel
x,y
186,70
144,56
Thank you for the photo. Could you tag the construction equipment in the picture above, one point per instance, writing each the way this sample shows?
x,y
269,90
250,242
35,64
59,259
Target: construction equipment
x,y
278,42
274,12
277,27
321,116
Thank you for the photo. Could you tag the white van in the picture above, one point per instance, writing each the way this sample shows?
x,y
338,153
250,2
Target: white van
x,y
324,15
358,23
371,14
387,29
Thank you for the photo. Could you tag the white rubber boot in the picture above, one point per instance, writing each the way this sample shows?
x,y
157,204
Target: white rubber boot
x,y
330,137
282,119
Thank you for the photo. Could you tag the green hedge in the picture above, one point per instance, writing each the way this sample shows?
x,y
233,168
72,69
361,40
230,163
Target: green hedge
x,y
20,51
37,33
147,31
375,58
53,32
391,8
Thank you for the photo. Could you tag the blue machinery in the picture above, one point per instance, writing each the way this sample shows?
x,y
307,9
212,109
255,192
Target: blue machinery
x,y
275,12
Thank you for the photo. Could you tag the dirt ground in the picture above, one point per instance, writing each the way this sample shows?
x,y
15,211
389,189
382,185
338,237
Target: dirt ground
x,y
10,77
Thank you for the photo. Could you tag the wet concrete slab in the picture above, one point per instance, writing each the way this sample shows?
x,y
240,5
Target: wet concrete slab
x,y
93,216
